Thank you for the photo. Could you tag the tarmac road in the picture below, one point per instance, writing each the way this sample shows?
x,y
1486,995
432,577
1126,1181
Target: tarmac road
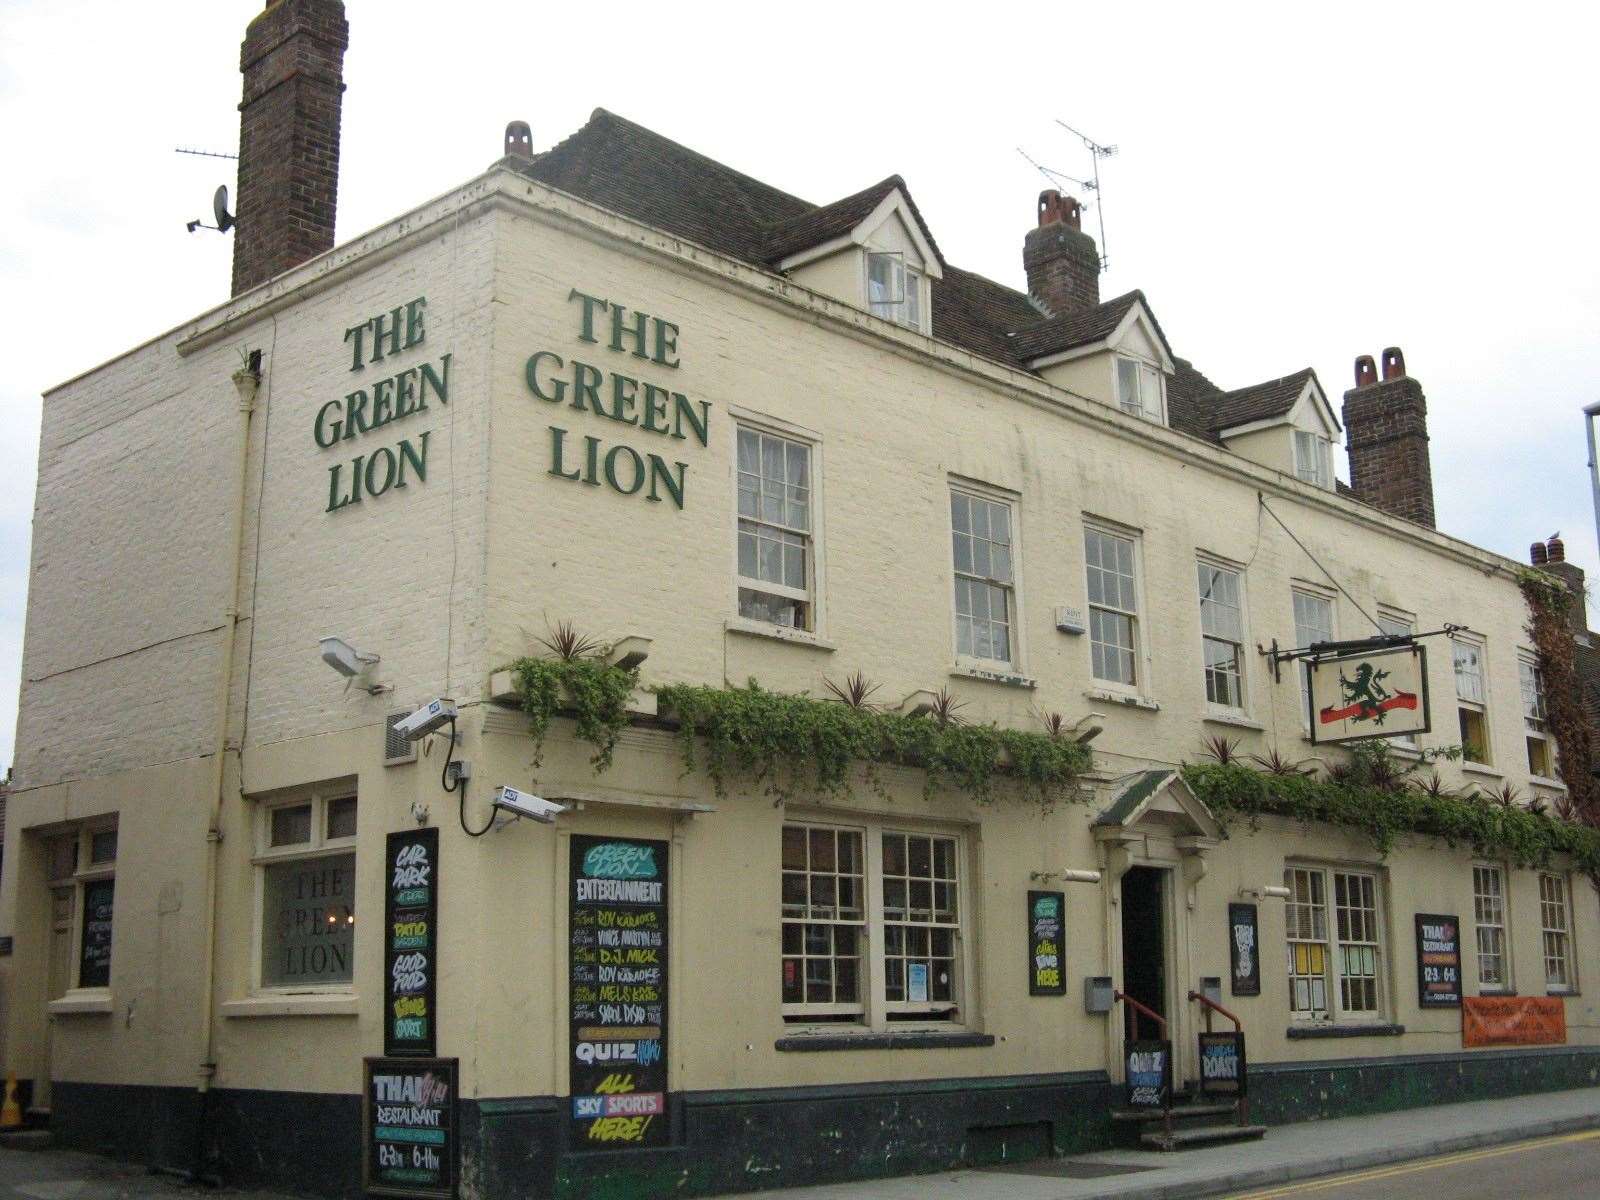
x,y
1565,1167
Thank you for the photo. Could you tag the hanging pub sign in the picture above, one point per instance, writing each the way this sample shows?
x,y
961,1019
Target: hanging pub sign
x,y
1046,942
1149,1075
408,1123
1222,1066
1383,693
617,959
411,942
1438,961
1244,962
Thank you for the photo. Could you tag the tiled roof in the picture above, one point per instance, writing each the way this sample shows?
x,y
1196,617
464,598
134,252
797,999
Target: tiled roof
x,y
1191,398
822,225
1053,335
1259,401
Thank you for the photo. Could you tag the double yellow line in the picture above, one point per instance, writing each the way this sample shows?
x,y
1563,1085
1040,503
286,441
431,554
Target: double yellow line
x,y
1431,1164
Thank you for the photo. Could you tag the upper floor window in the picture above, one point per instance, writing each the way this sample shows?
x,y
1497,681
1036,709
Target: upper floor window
x,y
981,540
1222,635
1397,626
894,290
774,530
1139,389
1313,623
1471,700
1535,721
1113,606
1313,458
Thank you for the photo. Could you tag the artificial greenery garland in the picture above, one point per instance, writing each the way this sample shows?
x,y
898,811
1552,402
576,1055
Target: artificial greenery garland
x,y
1548,602
1488,828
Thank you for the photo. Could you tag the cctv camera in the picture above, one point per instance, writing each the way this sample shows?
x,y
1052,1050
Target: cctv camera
x,y
525,804
426,719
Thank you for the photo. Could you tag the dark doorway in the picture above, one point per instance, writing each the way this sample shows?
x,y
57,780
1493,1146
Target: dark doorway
x,y
1144,943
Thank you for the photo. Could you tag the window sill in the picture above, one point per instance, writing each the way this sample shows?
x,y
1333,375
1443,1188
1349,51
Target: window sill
x,y
306,1005
909,1040
1564,993
1545,781
993,675
1347,1029
777,633
1126,699
76,1003
1234,720
1476,768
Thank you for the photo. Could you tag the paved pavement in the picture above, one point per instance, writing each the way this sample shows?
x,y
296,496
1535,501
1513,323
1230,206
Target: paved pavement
x,y
1288,1153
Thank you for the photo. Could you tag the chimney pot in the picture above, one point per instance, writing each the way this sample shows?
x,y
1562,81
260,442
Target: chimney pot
x,y
1394,364
1556,550
1537,554
1062,262
1366,371
519,140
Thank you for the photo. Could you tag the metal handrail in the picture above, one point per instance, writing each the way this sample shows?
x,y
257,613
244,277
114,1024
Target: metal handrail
x,y
1212,1006
1134,1009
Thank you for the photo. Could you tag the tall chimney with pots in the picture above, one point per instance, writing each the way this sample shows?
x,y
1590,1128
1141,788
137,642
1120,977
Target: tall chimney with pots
x,y
1386,422
293,64
1062,262
1551,556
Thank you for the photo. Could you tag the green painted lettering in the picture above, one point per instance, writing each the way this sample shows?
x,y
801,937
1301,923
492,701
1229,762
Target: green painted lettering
x,y
655,405
662,474
683,409
389,468
418,460
325,433
619,330
591,452
355,407
590,303
637,467
415,333
622,398
440,382
405,393
385,327
557,438
382,404
666,343
586,385
360,333
558,387
336,499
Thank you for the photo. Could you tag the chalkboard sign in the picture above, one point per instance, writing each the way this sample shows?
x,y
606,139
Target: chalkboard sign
x,y
1222,1065
617,959
411,943
1149,1074
1244,944
1438,961
1046,944
94,960
408,1124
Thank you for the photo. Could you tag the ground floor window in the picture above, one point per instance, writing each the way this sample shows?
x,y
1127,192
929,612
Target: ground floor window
x,y
81,867
1489,911
1333,976
306,872
1557,933
872,928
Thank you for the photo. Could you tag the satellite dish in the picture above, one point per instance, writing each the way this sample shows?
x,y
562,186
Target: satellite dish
x,y
219,209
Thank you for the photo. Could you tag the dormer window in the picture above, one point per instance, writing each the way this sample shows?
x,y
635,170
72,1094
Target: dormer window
x,y
1139,387
894,290
1313,458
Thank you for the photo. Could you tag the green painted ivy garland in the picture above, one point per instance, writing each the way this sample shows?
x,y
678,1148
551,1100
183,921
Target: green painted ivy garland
x,y
1494,830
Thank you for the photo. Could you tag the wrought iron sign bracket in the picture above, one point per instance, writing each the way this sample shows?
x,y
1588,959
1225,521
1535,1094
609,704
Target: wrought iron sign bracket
x,y
1320,650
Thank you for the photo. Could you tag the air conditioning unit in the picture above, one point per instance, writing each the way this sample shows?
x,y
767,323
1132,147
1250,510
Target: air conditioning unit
x,y
397,747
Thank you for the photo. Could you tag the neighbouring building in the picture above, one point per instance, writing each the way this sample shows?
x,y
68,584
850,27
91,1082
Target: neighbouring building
x,y
735,436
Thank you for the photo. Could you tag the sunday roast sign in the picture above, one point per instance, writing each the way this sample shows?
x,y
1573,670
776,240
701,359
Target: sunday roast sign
x,y
1383,693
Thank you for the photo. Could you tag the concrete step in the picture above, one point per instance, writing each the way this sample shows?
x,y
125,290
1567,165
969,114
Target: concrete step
x,y
1216,1108
1211,1135
25,1139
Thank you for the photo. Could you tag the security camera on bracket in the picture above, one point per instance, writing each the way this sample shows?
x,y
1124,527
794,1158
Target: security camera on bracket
x,y
433,715
526,804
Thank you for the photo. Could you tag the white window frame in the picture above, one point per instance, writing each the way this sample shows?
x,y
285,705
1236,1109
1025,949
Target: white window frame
x,y
1213,563
1151,402
1333,1010
319,846
1535,714
1476,696
1013,590
1301,640
85,872
1555,901
911,301
1487,905
875,1012
1141,685
816,566
1318,471
1393,621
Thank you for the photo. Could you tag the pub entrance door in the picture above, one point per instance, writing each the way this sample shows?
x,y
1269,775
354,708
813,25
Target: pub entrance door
x,y
1144,940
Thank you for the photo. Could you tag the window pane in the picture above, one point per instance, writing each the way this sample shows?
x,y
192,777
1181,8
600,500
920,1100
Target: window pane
x,y
103,847
308,922
342,817
291,825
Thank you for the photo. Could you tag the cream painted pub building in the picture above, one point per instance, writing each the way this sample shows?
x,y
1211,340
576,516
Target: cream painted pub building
x,y
738,436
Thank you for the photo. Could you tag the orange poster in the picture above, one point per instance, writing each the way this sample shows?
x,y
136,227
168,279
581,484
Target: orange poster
x,y
1513,1021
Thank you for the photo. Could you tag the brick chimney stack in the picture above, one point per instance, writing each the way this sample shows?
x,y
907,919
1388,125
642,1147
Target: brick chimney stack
x,y
1386,424
1062,262
293,65
1551,556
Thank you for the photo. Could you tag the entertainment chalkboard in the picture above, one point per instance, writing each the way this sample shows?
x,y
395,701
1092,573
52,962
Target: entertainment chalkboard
x,y
1046,944
408,1127
1438,961
617,959
411,942
94,961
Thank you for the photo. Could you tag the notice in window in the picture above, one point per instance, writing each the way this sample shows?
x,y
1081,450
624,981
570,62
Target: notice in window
x,y
617,959
411,942
308,927
1438,961
94,965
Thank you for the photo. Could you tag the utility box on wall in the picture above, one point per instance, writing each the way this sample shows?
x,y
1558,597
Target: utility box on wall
x,y
1098,994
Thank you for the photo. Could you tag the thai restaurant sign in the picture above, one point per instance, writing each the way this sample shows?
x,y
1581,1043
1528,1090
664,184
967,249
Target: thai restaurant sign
x,y
1380,694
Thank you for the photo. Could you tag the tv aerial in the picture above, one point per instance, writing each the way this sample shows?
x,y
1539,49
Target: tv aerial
x,y
219,211
1091,184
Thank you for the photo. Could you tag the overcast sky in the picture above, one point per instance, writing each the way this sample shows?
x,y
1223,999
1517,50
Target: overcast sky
x,y
1293,186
